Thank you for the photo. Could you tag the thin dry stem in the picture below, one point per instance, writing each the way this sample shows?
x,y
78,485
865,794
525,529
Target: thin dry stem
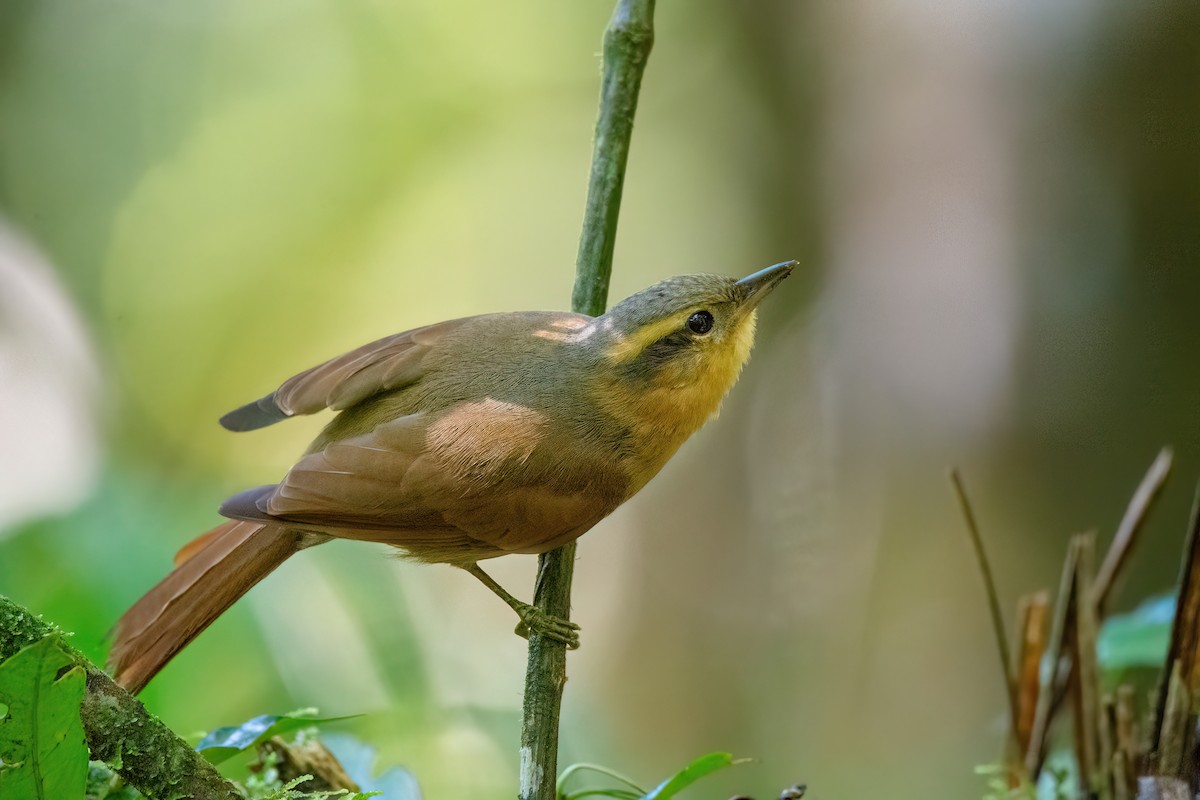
x,y
1131,526
1034,613
989,585
1064,606
1185,629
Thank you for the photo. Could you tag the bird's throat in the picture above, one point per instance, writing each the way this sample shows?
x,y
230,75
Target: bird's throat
x,y
678,401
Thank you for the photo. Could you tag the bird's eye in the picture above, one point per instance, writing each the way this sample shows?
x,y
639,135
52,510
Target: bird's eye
x,y
700,322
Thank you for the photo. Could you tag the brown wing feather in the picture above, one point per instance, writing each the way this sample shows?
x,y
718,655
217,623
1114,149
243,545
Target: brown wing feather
x,y
383,365
528,519
475,482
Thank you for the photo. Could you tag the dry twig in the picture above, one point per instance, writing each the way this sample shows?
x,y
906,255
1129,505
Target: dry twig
x,y
1090,741
1131,525
1185,630
1034,613
1064,607
989,585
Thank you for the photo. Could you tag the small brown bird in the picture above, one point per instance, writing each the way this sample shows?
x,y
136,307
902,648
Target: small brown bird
x,y
465,440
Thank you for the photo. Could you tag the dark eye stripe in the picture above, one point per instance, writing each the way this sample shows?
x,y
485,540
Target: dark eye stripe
x,y
667,346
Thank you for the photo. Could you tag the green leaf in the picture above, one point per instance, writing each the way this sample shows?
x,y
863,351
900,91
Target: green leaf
x,y
702,766
616,794
560,789
1139,638
42,752
224,743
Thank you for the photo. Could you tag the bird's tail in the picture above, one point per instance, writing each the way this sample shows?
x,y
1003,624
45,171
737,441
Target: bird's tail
x,y
210,574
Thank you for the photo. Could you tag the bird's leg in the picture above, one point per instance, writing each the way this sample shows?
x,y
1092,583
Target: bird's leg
x,y
533,619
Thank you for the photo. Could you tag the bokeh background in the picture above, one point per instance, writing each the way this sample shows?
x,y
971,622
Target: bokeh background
x,y
997,209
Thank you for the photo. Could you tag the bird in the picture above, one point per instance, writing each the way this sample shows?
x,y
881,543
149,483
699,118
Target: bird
x,y
466,440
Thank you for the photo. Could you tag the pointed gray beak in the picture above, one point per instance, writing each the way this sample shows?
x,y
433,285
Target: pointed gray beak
x,y
760,284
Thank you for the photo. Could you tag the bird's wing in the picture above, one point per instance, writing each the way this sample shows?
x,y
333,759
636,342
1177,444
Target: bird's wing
x,y
467,478
385,364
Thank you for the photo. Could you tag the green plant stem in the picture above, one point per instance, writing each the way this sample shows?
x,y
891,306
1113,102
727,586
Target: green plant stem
x,y
119,729
627,43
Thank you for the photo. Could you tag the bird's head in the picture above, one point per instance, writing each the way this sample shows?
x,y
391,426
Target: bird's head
x,y
680,329
673,350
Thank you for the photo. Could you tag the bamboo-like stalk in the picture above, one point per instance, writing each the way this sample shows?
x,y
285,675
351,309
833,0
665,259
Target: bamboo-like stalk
x,y
627,43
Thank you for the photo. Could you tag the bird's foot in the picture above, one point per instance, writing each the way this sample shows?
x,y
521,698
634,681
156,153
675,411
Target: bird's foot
x,y
534,620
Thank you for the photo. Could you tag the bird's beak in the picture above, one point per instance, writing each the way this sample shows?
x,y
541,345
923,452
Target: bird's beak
x,y
757,286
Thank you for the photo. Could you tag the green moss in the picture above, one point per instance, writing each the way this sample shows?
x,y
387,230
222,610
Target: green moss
x,y
19,628
119,729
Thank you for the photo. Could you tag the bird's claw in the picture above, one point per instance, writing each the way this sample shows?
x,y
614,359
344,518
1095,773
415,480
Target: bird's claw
x,y
534,620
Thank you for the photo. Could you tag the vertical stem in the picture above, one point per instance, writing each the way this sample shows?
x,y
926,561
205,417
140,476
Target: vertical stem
x,y
627,43
545,676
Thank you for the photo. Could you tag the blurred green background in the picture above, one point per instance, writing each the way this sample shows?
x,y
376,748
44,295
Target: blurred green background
x,y
996,207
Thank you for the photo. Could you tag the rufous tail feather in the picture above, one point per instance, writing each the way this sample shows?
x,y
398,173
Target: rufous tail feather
x,y
208,579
